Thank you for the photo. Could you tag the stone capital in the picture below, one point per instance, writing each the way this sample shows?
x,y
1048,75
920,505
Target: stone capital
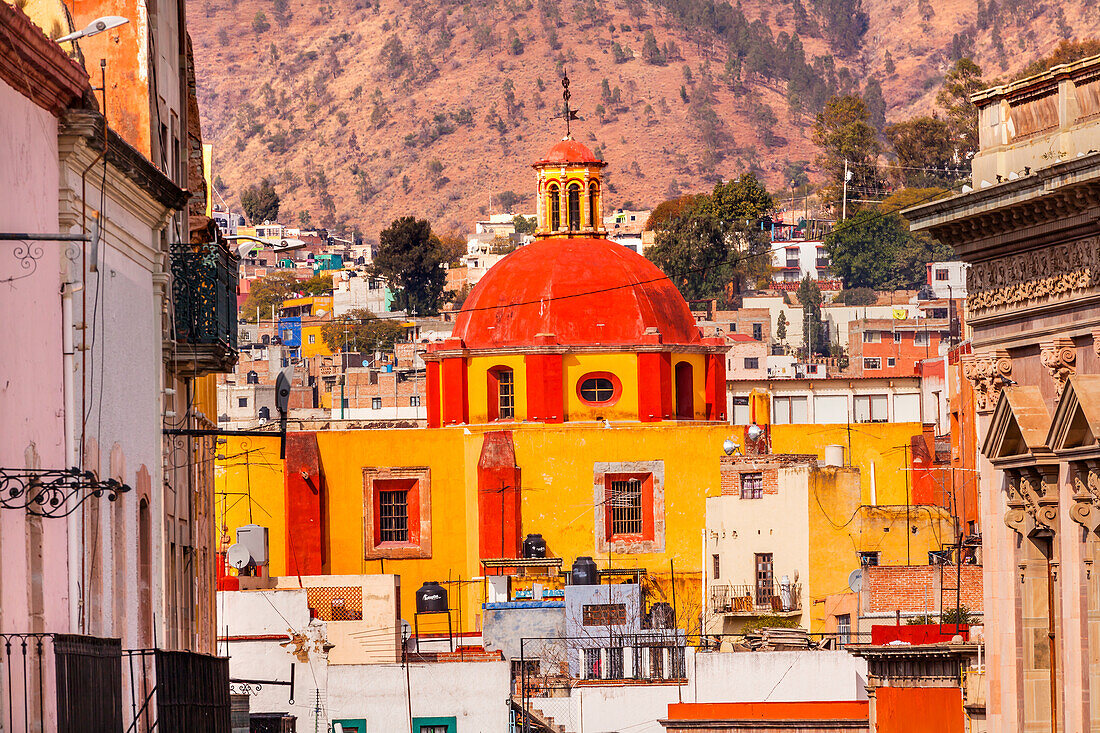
x,y
1059,356
989,372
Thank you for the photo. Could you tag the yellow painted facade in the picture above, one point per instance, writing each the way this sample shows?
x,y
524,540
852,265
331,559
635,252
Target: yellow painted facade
x,y
477,380
316,345
557,464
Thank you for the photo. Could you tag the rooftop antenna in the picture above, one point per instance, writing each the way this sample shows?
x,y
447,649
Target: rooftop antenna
x,y
567,113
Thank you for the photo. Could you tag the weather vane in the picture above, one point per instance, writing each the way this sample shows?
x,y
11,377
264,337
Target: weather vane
x,y
567,113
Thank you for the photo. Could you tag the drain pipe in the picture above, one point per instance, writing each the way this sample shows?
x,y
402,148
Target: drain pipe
x,y
72,521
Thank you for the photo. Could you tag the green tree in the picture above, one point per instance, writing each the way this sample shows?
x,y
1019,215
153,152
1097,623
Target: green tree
x,y
651,52
318,285
964,78
1065,52
857,296
740,200
815,337
410,258
844,133
260,203
705,258
922,143
781,326
362,331
259,22
875,249
267,292
524,224
668,210
876,104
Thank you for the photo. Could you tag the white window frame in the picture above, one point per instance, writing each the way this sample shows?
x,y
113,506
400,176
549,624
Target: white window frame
x,y
872,362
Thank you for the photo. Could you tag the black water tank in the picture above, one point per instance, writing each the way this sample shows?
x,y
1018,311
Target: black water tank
x,y
534,546
431,598
584,571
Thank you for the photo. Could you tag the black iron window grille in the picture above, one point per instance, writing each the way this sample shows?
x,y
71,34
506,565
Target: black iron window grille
x,y
626,507
204,291
394,516
54,492
615,663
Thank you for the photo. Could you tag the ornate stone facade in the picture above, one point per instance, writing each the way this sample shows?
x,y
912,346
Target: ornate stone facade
x,y
1032,501
1034,276
989,372
1086,495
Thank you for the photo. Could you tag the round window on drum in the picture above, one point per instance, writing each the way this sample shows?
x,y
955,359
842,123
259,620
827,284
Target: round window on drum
x,y
599,388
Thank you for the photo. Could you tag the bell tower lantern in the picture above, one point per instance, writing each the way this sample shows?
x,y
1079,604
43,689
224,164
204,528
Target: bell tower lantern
x,y
570,192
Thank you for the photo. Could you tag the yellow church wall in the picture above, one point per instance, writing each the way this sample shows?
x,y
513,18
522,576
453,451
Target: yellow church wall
x,y
557,464
624,366
477,380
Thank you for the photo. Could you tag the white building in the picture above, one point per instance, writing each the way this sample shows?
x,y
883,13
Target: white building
x,y
948,279
797,259
829,401
355,290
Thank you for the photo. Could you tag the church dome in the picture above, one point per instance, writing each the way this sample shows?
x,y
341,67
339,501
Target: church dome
x,y
569,151
584,292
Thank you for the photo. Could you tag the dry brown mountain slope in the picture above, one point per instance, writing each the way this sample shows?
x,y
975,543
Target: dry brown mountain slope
x,y
354,127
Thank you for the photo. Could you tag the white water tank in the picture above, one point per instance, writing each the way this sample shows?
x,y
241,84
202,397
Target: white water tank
x,y
834,455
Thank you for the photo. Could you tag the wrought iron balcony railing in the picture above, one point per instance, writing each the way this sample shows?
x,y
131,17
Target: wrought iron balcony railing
x,y
204,291
756,599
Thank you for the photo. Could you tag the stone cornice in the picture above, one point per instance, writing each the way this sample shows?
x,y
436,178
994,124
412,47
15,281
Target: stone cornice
x,y
124,157
35,66
1060,197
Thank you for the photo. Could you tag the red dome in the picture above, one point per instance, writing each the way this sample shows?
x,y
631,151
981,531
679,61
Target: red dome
x,y
583,291
569,151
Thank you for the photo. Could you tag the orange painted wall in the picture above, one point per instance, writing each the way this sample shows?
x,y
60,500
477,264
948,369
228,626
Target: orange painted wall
x,y
919,710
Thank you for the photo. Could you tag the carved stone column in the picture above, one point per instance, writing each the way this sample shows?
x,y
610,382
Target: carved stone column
x,y
989,372
1059,356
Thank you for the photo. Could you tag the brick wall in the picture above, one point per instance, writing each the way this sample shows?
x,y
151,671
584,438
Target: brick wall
x,y
916,588
732,467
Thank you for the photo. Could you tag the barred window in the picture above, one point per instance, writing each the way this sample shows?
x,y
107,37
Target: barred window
x,y
615,663
678,662
752,486
592,663
394,516
656,662
626,507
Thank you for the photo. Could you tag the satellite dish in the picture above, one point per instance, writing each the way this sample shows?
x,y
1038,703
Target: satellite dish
x,y
855,579
238,556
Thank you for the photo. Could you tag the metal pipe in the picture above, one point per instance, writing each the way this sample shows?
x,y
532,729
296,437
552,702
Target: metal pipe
x,y
1051,639
69,396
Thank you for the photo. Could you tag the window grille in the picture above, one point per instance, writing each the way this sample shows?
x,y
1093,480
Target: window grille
x,y
615,663
626,507
592,664
678,662
393,516
506,394
597,389
752,486
656,662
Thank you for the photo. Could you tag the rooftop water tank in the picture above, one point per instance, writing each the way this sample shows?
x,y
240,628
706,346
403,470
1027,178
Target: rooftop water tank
x,y
585,572
534,546
431,598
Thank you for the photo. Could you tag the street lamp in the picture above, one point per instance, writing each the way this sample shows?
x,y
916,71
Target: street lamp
x,y
98,25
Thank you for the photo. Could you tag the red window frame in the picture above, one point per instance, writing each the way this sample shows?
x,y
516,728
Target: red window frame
x,y
648,524
412,502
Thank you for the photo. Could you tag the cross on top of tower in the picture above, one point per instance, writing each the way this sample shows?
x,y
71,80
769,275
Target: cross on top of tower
x,y
567,113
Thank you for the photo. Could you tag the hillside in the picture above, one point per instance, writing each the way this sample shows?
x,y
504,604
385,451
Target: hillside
x,y
364,110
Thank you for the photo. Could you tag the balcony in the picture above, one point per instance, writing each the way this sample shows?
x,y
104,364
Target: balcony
x,y
754,600
204,291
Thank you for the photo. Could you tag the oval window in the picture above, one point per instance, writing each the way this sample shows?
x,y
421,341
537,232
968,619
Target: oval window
x,y
599,388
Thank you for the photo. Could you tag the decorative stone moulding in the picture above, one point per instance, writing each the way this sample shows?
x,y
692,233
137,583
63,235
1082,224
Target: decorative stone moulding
x,y
1060,358
1039,275
1032,501
1085,509
989,372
